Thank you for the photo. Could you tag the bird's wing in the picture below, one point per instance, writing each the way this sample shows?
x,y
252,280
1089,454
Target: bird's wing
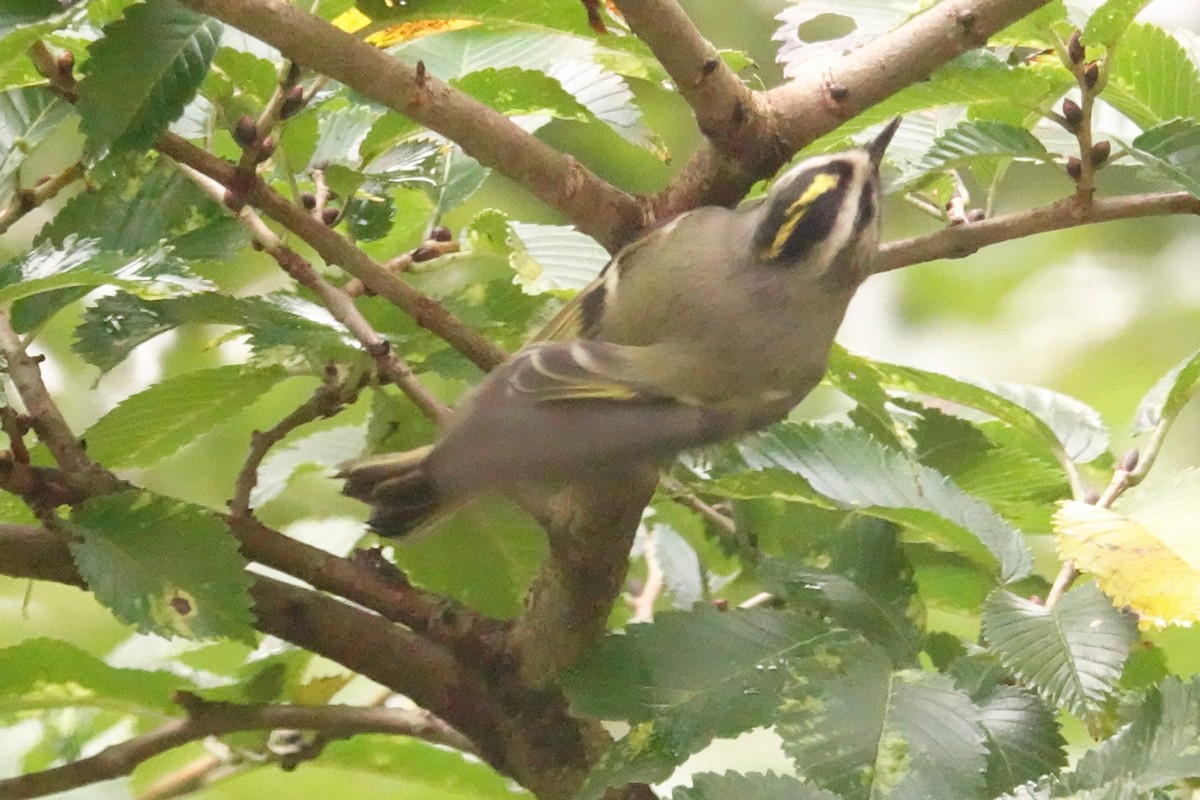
x,y
578,318
579,370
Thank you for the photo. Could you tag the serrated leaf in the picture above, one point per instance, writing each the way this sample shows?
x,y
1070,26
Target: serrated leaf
x,y
1172,150
975,79
1071,655
27,117
847,466
48,673
873,732
1168,396
157,421
969,142
548,257
118,323
749,786
515,91
325,449
1071,429
1106,25
163,565
1144,553
1156,749
133,211
663,677
484,555
868,18
143,72
607,96
1151,78
867,587
1024,742
48,278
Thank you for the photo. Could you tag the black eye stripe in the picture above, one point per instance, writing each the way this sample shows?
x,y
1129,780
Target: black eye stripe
x,y
803,227
866,208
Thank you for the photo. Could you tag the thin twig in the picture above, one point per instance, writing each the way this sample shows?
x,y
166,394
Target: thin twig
x,y
214,719
643,600
334,393
25,200
340,304
963,240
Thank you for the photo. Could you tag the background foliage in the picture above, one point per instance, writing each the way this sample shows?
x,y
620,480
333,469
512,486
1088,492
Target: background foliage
x,y
908,523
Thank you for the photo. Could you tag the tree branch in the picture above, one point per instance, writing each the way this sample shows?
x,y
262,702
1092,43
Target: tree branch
x,y
206,719
963,240
610,216
727,112
340,304
804,109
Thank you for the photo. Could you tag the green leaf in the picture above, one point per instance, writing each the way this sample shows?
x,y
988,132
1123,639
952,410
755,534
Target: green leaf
x,y
1172,150
143,72
664,678
515,91
1109,21
873,732
1070,429
969,142
1076,425
163,566
133,211
845,465
46,279
548,257
1024,742
1156,749
752,786
975,79
1152,79
1072,655
414,768
1168,396
277,324
563,15
325,449
47,673
156,422
484,555
867,588
27,117
16,13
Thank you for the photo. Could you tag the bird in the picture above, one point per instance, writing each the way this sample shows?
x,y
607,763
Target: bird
x,y
709,327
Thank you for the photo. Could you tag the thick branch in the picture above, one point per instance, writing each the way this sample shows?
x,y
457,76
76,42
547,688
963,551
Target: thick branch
x,y
727,112
216,719
806,108
605,213
963,240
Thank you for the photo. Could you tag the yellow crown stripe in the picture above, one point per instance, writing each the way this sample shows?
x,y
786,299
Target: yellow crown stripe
x,y
821,184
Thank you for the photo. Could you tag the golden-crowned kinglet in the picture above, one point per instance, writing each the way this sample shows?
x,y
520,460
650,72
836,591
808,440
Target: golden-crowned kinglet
x,y
715,324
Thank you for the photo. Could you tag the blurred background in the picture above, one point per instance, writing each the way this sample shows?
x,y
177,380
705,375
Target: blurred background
x,y
1099,313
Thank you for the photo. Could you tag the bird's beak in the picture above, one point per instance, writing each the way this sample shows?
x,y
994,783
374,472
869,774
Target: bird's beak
x,y
877,147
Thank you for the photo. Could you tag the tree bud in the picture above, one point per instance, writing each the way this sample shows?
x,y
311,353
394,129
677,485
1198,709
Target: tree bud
x,y
1074,168
1073,114
308,200
441,234
245,131
1091,74
1100,152
1075,49
329,215
425,253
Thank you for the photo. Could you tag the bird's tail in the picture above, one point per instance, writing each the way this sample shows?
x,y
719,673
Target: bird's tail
x,y
398,488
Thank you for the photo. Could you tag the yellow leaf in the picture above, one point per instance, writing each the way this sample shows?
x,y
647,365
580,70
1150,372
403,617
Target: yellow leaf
x,y
354,20
1145,556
